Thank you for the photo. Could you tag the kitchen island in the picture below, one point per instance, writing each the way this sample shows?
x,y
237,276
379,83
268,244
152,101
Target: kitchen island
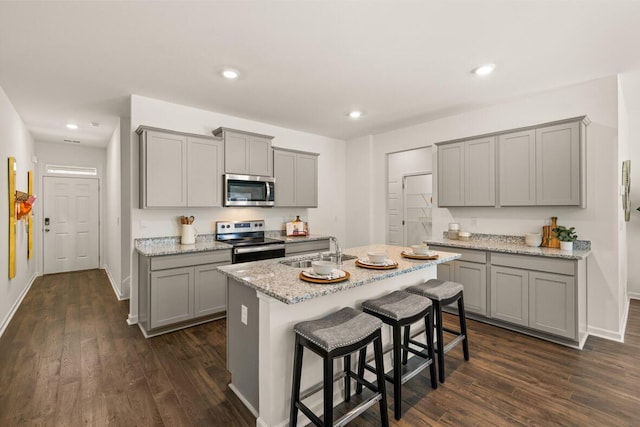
x,y
267,298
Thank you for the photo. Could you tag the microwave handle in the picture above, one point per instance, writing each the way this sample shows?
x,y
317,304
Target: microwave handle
x,y
268,184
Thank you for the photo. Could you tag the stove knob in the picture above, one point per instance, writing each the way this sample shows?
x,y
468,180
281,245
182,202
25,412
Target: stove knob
x,y
228,226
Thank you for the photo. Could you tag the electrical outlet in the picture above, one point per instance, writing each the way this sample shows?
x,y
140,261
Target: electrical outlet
x,y
243,314
474,221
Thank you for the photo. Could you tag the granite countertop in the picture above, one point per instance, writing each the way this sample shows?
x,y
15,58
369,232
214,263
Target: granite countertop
x,y
282,282
308,238
514,245
157,246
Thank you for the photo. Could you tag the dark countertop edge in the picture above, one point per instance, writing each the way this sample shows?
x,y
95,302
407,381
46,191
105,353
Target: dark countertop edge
x,y
290,301
525,250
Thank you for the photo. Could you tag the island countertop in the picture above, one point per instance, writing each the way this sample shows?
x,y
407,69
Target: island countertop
x,y
281,282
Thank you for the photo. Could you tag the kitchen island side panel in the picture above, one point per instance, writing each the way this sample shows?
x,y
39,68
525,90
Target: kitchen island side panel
x,y
242,342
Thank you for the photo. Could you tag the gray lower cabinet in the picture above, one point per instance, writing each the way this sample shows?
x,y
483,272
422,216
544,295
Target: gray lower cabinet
x,y
306,247
552,303
470,271
510,295
296,175
176,291
542,296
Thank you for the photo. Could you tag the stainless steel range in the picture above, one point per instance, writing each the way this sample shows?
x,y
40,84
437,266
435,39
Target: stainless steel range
x,y
248,241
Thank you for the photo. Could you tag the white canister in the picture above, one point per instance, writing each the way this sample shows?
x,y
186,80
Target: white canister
x,y
189,234
454,228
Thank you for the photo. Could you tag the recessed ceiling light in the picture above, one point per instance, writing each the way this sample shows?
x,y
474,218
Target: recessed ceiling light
x,y
483,70
72,126
355,114
95,124
230,74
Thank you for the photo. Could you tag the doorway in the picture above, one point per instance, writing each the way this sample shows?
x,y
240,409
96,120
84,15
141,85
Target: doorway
x,y
417,208
70,224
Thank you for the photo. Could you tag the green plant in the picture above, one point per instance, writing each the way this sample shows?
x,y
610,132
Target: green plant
x,y
565,234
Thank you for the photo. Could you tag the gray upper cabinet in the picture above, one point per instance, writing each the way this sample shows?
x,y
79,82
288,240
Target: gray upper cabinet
x,y
517,171
204,172
451,175
246,153
480,172
466,173
179,169
163,179
540,165
296,175
558,165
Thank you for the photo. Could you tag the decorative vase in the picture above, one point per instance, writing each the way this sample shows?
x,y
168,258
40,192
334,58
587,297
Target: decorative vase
x,y
566,246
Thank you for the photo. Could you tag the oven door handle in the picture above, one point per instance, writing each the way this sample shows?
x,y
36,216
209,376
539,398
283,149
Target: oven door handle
x,y
262,248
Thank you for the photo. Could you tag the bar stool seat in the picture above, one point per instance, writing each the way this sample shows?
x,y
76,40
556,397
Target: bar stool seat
x,y
443,293
400,309
338,334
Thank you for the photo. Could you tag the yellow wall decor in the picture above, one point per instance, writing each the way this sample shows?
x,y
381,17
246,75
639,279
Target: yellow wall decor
x,y
12,217
30,218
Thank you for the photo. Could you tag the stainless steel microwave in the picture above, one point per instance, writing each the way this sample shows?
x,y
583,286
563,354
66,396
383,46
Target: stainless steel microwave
x,y
249,190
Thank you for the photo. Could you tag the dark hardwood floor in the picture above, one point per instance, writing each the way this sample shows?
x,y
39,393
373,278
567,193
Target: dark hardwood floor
x,y
68,358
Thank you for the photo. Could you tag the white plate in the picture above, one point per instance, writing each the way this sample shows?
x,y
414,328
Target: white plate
x,y
335,274
386,262
428,254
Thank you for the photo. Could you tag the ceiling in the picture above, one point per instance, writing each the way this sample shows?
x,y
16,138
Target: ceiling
x,y
304,65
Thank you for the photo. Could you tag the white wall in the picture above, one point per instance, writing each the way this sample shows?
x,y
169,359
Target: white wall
x,y
328,218
72,155
598,222
630,88
112,219
15,141
125,205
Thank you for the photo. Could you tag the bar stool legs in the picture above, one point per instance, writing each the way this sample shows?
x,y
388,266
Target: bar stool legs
x,y
350,331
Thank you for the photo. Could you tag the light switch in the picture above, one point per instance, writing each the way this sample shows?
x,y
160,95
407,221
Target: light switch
x,y
243,314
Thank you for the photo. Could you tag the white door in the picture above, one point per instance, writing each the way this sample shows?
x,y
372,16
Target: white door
x,y
418,207
70,218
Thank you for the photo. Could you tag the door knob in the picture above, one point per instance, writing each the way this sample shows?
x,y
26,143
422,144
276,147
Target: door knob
x,y
46,230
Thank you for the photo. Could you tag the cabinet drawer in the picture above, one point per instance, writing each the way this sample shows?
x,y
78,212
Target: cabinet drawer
x,y
551,265
470,255
312,246
185,260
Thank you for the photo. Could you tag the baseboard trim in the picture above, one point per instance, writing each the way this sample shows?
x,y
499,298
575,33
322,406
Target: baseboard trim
x,y
116,291
245,401
14,308
606,334
132,320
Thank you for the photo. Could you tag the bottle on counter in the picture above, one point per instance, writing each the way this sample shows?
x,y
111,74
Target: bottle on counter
x,y
454,230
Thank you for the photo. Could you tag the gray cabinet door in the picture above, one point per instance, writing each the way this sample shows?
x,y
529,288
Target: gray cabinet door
x,y
210,290
552,304
204,172
517,168
171,296
473,277
236,153
510,295
165,170
306,180
446,271
284,171
480,172
259,158
451,174
558,164
309,247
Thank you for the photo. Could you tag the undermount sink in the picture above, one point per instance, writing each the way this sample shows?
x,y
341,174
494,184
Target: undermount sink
x,y
306,262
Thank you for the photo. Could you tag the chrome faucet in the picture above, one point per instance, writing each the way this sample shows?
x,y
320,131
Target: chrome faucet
x,y
337,252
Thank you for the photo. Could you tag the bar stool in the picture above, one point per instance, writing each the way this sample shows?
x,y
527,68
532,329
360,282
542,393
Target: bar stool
x,y
337,335
400,309
443,293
